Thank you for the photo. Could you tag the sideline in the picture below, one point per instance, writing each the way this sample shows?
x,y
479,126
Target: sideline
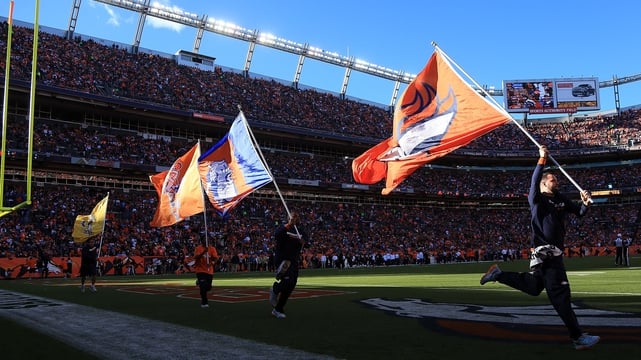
x,y
103,333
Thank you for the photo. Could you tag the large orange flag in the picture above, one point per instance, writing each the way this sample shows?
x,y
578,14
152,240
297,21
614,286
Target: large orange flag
x,y
437,113
180,194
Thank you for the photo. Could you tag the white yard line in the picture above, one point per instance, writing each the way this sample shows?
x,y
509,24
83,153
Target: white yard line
x,y
112,336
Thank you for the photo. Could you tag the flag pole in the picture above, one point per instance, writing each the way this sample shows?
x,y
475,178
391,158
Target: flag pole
x,y
202,193
102,232
262,158
498,106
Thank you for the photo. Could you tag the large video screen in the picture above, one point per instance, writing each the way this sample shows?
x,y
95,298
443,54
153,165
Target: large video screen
x,y
549,96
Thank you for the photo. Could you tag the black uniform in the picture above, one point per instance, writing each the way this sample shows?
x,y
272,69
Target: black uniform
x,y
43,264
288,248
69,271
618,256
88,260
626,252
548,272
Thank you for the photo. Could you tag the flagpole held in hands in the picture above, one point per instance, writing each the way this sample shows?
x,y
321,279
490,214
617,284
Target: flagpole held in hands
x,y
102,231
232,168
262,158
202,192
523,129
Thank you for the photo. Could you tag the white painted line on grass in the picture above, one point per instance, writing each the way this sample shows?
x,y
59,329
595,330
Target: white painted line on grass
x,y
111,335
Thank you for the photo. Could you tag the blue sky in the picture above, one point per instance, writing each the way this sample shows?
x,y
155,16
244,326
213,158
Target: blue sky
x,y
491,40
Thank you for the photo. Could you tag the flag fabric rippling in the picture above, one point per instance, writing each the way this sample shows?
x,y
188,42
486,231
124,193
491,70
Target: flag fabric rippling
x,y
180,194
437,113
232,168
90,225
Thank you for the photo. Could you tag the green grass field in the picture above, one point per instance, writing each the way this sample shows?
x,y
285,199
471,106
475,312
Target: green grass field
x,y
430,311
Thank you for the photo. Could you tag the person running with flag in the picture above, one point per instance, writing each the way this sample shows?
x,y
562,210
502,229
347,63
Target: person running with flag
x,y
88,264
205,257
549,209
289,243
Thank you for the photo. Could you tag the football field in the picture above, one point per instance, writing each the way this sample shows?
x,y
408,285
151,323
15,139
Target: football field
x,y
426,311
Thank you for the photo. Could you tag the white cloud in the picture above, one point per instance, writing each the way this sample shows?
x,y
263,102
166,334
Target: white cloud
x,y
114,19
165,24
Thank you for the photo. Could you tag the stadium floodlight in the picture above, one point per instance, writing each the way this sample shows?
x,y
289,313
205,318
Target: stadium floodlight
x,y
266,39
407,77
381,71
175,14
229,29
273,41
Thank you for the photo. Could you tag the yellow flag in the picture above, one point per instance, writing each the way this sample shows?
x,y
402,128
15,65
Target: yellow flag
x,y
90,225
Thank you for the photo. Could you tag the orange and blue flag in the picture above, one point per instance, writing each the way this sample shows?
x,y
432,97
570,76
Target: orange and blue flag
x,y
437,114
180,194
232,168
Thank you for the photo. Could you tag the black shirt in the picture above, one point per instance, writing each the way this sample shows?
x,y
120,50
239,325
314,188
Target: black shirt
x,y
549,213
288,246
89,255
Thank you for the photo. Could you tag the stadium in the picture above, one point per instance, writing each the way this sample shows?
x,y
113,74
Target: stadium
x,y
104,121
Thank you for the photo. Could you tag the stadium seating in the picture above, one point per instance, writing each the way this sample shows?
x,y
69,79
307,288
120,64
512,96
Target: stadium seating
x,y
80,153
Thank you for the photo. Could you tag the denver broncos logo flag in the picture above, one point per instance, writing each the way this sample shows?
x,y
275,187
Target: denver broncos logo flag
x,y
438,113
232,169
179,192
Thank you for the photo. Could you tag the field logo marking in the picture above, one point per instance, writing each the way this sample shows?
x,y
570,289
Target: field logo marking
x,y
226,294
10,301
518,323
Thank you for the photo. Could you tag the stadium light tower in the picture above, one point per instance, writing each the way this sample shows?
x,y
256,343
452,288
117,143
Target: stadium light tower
x,y
617,102
253,37
75,9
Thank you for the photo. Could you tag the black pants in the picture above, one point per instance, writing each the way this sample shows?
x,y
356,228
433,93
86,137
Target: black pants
x,y
204,283
285,286
551,276
618,256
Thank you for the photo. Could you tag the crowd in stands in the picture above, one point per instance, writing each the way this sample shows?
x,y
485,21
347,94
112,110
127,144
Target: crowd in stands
x,y
357,234
576,133
362,234
58,138
98,69
89,66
